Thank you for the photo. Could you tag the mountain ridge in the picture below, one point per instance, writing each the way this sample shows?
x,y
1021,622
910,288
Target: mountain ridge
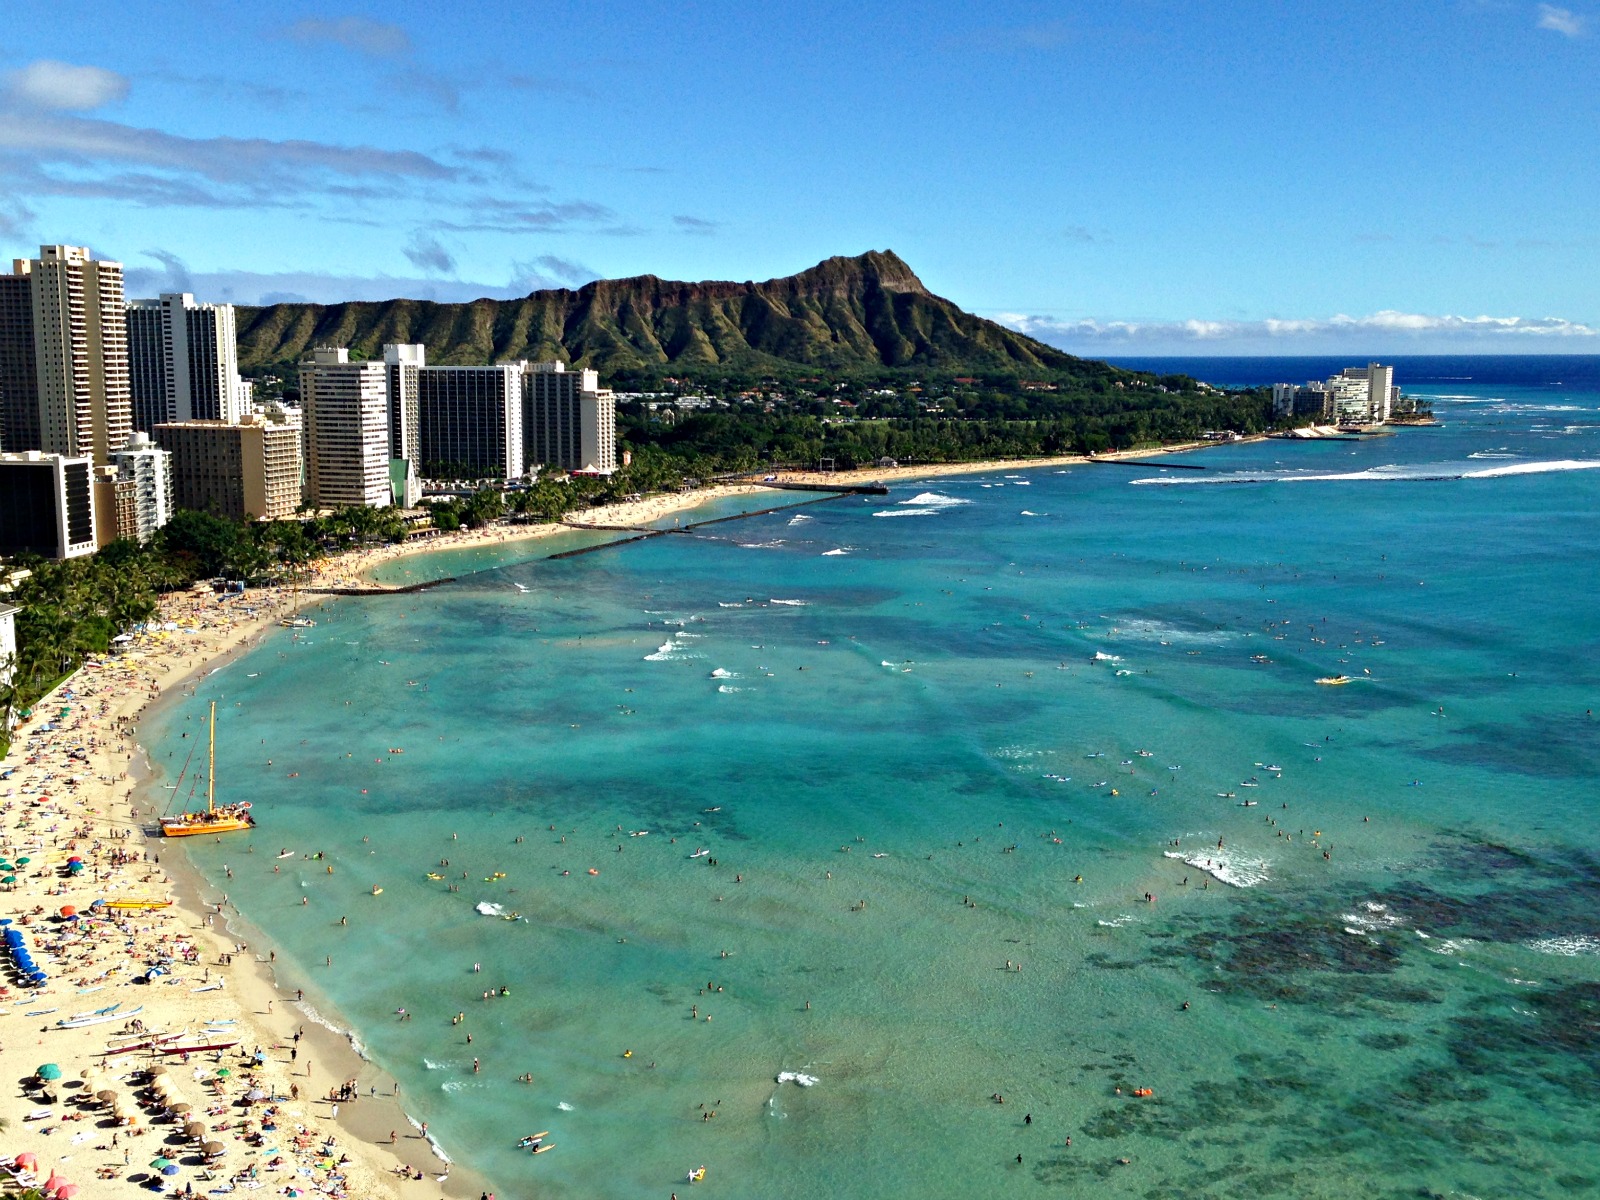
x,y
866,312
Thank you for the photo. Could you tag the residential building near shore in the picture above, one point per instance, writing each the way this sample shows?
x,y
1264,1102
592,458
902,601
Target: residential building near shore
x,y
247,471
144,473
1355,396
47,504
63,314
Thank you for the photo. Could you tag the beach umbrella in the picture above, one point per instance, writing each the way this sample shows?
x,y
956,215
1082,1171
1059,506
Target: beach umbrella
x,y
28,1161
48,1071
170,1169
255,1094
9,879
22,862
109,1096
224,1073
158,1069
66,1191
53,1182
195,1129
159,1162
180,1109
68,911
213,1149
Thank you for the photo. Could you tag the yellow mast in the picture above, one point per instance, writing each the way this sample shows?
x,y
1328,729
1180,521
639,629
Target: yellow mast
x,y
211,764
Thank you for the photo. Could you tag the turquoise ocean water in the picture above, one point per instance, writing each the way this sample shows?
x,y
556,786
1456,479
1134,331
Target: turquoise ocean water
x,y
903,728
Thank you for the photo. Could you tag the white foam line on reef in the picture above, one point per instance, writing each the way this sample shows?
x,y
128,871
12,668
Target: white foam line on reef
x,y
1418,473
1233,869
1568,946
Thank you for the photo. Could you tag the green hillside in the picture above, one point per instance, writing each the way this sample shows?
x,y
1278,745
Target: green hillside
x,y
844,314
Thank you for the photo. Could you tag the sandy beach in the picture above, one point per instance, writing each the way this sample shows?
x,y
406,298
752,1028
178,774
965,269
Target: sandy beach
x,y
145,958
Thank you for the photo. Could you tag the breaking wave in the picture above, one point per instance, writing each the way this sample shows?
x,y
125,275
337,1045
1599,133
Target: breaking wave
x,y
1415,473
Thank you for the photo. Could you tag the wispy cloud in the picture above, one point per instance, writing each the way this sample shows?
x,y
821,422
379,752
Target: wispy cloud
x,y
175,272
1042,35
361,34
49,84
1197,335
517,216
427,253
248,161
274,287
1561,20
1083,234
696,225
549,271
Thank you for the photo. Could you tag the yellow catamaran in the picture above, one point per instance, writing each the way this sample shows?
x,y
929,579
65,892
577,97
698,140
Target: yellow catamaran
x,y
224,819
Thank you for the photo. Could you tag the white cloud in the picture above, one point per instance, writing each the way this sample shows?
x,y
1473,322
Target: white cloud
x,y
220,159
361,34
1560,20
58,85
1380,330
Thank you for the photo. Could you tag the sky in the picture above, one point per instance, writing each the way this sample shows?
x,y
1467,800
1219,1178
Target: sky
x,y
1116,177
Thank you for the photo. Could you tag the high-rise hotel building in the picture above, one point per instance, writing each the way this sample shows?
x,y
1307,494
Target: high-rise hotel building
x,y
183,361
569,421
346,414
77,403
471,422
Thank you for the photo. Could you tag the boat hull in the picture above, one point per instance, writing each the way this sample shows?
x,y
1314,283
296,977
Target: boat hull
x,y
196,828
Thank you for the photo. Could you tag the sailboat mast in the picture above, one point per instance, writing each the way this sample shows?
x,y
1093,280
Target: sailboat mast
x,y
211,765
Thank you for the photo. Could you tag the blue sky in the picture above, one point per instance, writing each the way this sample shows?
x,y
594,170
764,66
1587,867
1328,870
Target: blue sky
x,y
1143,176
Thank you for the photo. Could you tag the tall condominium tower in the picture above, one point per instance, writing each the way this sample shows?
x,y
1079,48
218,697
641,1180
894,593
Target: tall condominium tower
x,y
80,352
19,372
568,420
402,362
346,414
471,422
183,361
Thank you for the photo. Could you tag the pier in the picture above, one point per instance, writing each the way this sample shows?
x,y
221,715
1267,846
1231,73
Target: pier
x,y
643,532
378,589
1137,462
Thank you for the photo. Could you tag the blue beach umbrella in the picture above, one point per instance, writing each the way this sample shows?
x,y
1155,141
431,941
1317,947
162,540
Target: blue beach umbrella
x,y
48,1071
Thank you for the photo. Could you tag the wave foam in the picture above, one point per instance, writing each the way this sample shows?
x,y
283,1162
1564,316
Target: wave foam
x,y
908,512
1567,945
797,1077
316,1018
790,603
489,909
1392,473
834,553
933,500
1225,866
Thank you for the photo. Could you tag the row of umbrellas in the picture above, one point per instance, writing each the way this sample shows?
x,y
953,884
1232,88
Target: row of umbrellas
x,y
55,1187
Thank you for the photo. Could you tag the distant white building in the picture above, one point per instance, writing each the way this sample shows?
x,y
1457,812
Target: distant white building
x,y
1355,396
148,469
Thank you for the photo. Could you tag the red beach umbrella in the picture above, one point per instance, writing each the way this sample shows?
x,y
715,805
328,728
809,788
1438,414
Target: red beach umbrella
x,y
68,911
28,1161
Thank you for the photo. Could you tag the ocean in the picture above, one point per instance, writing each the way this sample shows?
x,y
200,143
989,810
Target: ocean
x,y
909,835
